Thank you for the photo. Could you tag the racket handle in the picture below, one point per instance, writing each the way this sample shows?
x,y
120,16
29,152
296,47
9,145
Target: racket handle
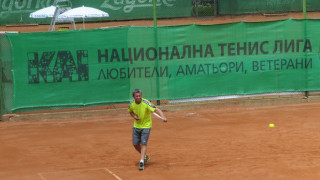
x,y
163,119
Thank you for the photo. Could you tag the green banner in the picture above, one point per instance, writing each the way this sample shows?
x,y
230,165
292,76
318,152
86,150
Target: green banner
x,y
265,6
79,68
18,11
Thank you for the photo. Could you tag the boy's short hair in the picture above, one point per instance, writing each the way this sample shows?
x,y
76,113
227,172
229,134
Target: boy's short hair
x,y
136,91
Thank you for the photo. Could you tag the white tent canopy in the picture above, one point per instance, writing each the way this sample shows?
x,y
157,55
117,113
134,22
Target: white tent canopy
x,y
53,12
83,12
44,13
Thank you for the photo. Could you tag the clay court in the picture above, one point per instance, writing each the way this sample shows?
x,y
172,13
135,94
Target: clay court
x,y
211,142
233,142
164,22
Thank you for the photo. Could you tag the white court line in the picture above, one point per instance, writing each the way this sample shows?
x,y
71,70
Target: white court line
x,y
106,169
113,174
40,174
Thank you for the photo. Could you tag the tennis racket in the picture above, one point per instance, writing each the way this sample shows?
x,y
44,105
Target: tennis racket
x,y
163,119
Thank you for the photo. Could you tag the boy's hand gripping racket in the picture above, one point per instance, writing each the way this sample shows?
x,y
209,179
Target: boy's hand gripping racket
x,y
162,118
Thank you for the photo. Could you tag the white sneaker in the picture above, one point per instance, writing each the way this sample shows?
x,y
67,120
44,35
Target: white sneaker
x,y
141,166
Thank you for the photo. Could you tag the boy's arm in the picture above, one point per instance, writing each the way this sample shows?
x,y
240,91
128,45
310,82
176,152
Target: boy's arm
x,y
134,116
158,111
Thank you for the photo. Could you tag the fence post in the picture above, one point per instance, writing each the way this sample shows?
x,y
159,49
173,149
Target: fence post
x,y
197,9
304,7
156,45
215,13
154,13
1,92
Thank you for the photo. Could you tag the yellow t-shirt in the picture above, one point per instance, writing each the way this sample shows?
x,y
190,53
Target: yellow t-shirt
x,y
143,111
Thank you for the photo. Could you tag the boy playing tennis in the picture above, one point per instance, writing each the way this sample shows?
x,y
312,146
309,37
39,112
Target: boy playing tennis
x,y
140,109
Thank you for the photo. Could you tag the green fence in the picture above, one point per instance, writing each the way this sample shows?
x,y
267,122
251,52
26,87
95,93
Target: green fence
x,y
265,6
18,11
92,67
6,76
1,91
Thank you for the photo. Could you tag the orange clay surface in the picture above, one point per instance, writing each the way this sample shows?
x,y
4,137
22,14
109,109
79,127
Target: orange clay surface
x,y
209,143
164,22
225,143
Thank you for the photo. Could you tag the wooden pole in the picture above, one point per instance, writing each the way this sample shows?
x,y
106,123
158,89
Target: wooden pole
x,y
304,7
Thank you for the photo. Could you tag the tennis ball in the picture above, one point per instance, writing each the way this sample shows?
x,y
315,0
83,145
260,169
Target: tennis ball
x,y
271,125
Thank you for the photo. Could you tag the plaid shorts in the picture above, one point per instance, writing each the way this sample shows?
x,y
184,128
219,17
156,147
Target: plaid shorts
x,y
140,136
